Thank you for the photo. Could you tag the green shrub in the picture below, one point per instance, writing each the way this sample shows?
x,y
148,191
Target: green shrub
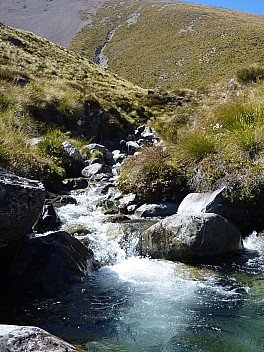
x,y
250,74
243,177
152,177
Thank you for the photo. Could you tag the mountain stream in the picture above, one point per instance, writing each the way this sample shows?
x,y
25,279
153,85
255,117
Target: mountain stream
x,y
135,304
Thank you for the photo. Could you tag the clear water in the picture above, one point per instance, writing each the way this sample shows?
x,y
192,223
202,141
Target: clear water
x,y
135,304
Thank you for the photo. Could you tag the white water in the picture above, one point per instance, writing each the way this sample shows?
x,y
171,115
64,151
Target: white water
x,y
143,305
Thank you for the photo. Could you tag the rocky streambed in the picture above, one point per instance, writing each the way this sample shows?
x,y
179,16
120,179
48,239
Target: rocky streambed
x,y
123,301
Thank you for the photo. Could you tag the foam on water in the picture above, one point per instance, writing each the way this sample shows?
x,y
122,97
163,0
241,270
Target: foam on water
x,y
143,305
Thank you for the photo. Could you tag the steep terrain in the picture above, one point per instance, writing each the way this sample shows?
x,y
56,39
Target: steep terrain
x,y
166,43
57,20
47,91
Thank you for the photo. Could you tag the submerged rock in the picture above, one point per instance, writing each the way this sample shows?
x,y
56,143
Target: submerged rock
x,y
191,238
14,338
51,262
74,184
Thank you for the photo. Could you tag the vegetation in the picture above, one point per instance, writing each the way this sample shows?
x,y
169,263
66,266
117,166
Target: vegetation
x,y
221,144
173,44
152,176
49,93
211,138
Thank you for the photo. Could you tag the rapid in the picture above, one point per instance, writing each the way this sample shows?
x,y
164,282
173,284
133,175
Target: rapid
x,y
135,304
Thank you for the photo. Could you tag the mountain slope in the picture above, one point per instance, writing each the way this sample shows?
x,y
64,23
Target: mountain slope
x,y
57,21
50,93
172,44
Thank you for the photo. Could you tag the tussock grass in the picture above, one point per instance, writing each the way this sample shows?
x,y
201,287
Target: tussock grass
x,y
218,141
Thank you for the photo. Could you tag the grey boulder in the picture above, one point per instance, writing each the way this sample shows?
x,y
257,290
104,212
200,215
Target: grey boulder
x,y
191,238
14,338
21,203
215,202
157,209
96,169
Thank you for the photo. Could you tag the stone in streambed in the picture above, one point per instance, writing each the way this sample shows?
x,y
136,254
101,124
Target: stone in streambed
x,y
14,338
157,209
21,203
191,238
51,262
215,202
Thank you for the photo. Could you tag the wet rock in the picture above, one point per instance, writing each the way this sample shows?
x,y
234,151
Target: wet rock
x,y
77,230
132,147
51,262
191,238
99,147
14,338
64,200
96,161
74,184
157,209
118,156
96,169
21,203
127,201
49,220
76,161
118,218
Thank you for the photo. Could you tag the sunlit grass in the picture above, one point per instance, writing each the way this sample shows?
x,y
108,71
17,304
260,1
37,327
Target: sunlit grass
x,y
175,44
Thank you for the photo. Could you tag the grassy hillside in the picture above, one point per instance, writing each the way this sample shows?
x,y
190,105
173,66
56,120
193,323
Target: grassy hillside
x,y
172,44
65,97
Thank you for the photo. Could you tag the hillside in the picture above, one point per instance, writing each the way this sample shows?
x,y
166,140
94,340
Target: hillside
x,y
172,44
62,96
57,21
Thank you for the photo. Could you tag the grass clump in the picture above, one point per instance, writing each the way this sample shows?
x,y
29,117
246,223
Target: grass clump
x,y
250,74
152,177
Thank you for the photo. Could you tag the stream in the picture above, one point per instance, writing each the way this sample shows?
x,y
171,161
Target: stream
x,y
135,304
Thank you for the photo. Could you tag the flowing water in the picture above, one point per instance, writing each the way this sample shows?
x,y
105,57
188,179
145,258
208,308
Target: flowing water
x,y
135,304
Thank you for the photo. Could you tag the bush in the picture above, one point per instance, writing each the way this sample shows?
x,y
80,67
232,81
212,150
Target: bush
x,y
243,177
250,74
152,177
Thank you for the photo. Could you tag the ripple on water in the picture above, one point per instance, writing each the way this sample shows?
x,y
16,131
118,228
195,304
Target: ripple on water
x,y
141,305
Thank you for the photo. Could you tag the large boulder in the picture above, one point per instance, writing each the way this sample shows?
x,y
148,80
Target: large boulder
x,y
51,262
191,238
14,338
21,203
157,209
215,202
